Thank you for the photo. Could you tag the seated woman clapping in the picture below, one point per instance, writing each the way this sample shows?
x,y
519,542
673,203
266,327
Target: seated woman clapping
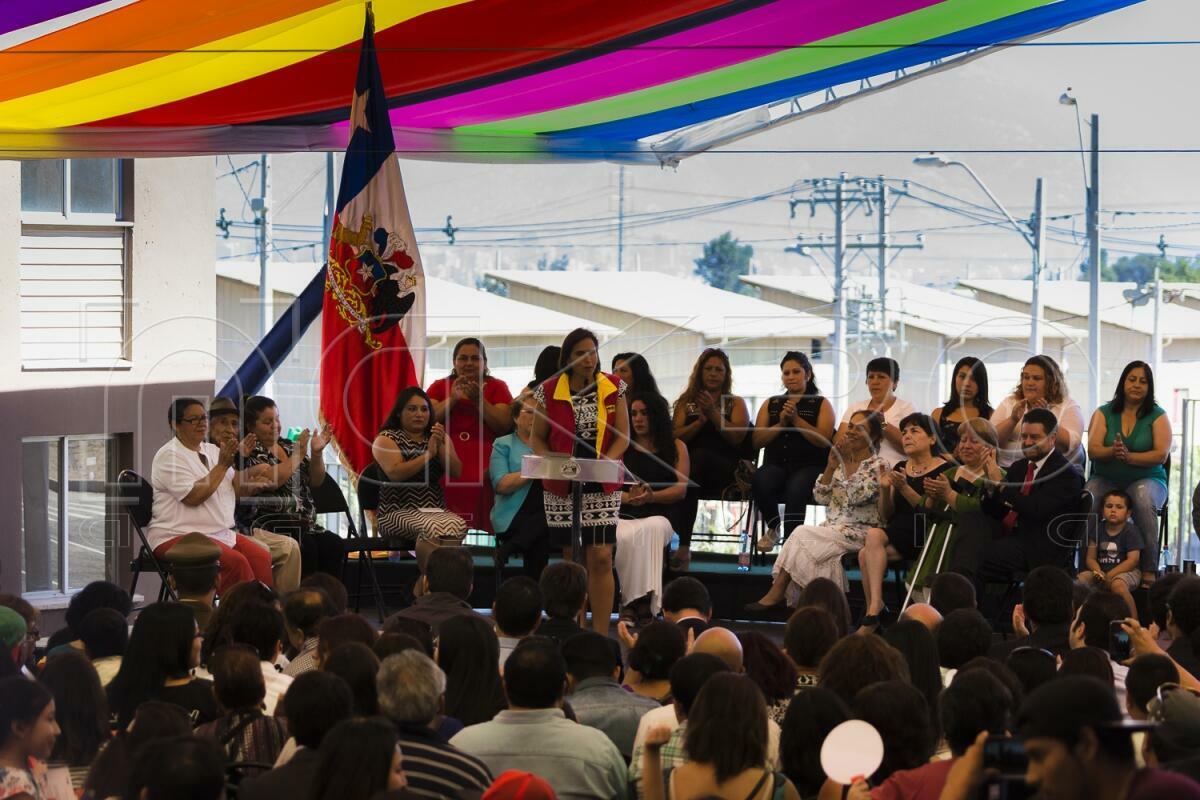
x,y
414,453
849,486
903,501
653,507
285,503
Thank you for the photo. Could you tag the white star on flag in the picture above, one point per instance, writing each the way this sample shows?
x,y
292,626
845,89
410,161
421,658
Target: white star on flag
x,y
358,112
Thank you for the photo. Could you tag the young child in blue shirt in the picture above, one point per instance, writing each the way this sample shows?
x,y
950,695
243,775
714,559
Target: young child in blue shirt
x,y
1114,553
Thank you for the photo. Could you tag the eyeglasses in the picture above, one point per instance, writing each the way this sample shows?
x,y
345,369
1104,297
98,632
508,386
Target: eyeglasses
x,y
194,420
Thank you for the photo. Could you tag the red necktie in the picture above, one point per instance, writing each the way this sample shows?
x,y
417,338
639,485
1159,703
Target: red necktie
x,y
1010,519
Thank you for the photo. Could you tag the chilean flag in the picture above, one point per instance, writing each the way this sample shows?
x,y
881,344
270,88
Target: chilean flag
x,y
373,313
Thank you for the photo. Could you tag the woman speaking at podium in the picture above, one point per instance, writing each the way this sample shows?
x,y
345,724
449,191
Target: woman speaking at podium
x,y
581,412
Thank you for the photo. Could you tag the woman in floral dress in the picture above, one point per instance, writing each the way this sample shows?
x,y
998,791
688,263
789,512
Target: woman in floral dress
x,y
849,486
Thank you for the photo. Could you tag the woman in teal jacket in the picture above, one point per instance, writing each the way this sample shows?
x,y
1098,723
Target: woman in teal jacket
x,y
518,515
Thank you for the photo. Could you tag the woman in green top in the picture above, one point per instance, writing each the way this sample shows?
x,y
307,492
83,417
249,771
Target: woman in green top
x,y
962,529
1129,439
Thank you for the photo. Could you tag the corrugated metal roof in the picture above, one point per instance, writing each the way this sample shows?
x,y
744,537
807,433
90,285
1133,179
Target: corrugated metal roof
x,y
946,313
689,305
451,308
1071,297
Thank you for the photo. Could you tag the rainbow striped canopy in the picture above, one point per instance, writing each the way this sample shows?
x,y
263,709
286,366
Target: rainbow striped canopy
x,y
489,80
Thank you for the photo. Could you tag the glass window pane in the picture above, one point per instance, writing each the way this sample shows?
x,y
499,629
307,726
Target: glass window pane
x,y
42,185
40,487
87,472
93,186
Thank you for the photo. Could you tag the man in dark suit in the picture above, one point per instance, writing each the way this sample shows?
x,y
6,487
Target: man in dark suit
x,y
314,703
1037,506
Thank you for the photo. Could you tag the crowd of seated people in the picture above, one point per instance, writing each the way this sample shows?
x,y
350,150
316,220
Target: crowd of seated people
x,y
259,682
289,695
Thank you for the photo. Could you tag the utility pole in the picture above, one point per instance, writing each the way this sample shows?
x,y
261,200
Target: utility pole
x,y
840,349
883,248
846,195
1093,229
1038,226
1156,346
266,305
620,218
327,224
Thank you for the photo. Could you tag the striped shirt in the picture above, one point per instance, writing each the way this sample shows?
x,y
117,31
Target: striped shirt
x,y
437,769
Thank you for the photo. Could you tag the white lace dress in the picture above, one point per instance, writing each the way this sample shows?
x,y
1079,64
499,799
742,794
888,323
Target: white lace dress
x,y
815,551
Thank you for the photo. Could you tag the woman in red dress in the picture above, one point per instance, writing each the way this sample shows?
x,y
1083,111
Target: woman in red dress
x,y
474,408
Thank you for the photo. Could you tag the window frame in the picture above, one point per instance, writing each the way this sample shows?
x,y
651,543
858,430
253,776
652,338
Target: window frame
x,y
63,576
69,217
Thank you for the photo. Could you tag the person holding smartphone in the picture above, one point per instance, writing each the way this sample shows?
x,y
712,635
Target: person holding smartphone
x,y
1114,552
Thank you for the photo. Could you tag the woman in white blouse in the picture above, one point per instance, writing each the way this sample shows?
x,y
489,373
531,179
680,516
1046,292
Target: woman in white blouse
x,y
1042,386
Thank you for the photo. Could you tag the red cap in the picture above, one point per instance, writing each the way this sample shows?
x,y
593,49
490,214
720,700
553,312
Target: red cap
x,y
514,785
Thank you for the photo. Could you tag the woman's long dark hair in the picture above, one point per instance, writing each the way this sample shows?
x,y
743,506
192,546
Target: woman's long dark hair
x,y
354,760
392,422
220,625
21,700
546,365
80,706
899,712
252,409
154,720
826,594
643,378
573,338
662,434
811,715
979,375
160,648
1118,401
470,340
810,381
696,379
767,666
727,726
917,645
469,653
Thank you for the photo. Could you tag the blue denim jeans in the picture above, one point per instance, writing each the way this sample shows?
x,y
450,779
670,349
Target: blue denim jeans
x,y
1148,496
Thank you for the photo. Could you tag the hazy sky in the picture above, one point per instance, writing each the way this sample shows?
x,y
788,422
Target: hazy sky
x,y
1009,99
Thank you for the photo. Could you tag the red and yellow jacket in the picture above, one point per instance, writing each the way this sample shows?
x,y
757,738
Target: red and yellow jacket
x,y
561,414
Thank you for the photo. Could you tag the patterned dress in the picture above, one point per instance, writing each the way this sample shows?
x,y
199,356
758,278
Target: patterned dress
x,y
600,509
815,551
32,782
290,510
415,509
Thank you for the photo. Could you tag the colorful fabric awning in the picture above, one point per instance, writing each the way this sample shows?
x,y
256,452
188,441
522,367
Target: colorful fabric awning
x,y
488,80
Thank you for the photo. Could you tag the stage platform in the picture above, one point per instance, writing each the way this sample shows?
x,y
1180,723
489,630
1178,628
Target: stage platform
x,y
729,588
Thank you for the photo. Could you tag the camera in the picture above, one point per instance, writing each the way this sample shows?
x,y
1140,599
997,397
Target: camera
x,y
1006,756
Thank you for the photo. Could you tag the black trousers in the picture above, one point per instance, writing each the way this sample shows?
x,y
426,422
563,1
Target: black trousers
x,y
528,533
774,484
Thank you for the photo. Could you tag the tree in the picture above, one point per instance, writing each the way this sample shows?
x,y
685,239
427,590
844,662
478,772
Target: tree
x,y
487,283
1140,269
724,261
544,264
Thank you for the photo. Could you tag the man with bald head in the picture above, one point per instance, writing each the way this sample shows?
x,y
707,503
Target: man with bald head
x,y
925,614
722,643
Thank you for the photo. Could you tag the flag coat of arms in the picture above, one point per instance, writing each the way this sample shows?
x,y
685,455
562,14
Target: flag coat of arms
x,y
373,314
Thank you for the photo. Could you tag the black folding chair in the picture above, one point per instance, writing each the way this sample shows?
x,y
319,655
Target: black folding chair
x,y
135,495
364,539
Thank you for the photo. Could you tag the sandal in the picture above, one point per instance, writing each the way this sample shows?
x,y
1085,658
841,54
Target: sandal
x,y
680,561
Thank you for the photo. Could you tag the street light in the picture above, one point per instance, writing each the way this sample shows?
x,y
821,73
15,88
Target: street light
x,y
1034,239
